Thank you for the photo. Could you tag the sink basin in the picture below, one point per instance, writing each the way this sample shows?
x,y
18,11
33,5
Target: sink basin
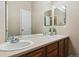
x,y
15,46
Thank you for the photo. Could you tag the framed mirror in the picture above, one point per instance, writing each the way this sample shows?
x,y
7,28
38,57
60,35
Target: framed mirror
x,y
59,15
48,18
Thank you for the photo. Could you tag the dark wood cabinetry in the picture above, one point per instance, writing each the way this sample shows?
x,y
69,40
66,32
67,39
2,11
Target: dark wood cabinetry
x,y
56,49
53,53
66,46
61,48
52,50
36,53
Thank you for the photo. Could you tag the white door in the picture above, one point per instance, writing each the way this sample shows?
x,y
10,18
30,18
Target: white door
x,y
25,22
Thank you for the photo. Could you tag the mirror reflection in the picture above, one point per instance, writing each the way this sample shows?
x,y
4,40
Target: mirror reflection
x,y
18,18
57,16
48,18
60,15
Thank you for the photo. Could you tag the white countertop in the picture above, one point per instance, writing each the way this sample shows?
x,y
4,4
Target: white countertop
x,y
37,43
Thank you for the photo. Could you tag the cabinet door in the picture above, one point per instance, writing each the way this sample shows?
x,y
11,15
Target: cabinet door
x,y
53,53
36,53
66,47
52,50
61,48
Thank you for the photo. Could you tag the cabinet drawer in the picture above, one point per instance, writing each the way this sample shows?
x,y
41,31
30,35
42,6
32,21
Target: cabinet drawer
x,y
36,53
52,47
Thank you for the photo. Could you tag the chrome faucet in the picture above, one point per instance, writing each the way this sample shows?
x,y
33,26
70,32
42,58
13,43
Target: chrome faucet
x,y
13,39
54,31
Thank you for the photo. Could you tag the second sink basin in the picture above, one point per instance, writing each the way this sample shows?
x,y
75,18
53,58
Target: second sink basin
x,y
15,46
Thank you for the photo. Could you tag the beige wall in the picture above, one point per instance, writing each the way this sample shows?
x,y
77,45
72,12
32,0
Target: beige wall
x,y
71,27
73,24
14,15
38,9
2,22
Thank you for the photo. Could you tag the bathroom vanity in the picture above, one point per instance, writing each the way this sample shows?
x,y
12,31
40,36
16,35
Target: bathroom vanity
x,y
43,46
54,49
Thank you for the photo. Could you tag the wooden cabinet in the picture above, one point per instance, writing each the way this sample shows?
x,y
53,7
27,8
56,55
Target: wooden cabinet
x,y
52,50
55,49
36,53
61,48
53,53
66,47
